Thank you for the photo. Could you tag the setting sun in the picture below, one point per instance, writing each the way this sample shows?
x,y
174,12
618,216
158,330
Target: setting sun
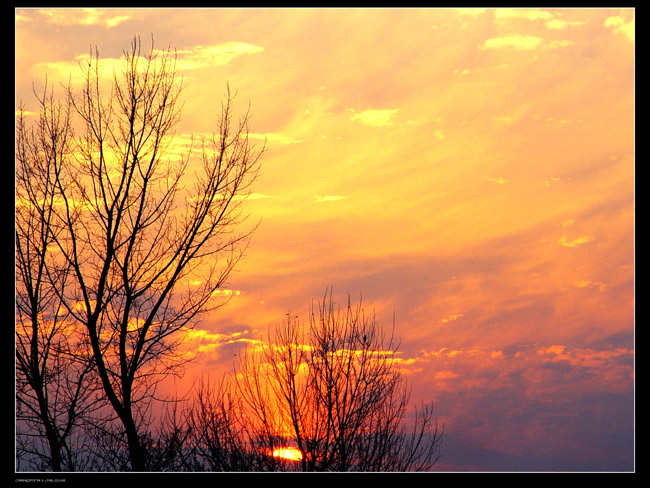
x,y
289,453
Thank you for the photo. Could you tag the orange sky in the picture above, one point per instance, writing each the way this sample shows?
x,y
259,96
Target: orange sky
x,y
470,170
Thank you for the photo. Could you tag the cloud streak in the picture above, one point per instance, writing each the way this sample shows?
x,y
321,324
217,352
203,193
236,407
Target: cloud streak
x,y
375,117
201,57
84,17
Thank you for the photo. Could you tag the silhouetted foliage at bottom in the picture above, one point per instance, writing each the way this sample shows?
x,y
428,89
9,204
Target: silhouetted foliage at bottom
x,y
326,396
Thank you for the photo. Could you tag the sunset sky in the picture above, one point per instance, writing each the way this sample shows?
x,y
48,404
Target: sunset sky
x,y
469,170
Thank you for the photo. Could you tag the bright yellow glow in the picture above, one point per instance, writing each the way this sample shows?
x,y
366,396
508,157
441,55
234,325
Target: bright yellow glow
x,y
375,118
289,453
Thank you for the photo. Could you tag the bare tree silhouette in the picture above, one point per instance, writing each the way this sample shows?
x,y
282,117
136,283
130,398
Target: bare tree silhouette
x,y
334,390
220,440
143,255
55,389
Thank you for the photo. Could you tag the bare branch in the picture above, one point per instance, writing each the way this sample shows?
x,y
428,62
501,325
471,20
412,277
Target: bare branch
x,y
126,232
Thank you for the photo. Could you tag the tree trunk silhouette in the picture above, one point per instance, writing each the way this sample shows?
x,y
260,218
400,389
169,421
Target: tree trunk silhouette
x,y
55,391
145,255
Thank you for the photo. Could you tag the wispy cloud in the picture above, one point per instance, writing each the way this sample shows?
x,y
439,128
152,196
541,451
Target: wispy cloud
x,y
452,318
499,180
523,42
27,113
200,57
566,242
591,284
70,69
203,341
274,138
375,117
84,16
561,24
21,17
259,196
621,25
329,198
518,13
585,357
516,41
568,222
552,181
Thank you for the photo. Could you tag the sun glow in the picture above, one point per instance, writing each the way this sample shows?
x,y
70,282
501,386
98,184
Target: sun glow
x,y
289,453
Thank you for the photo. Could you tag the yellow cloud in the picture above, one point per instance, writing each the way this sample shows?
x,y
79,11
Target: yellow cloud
x,y
204,341
591,284
522,42
620,25
463,72
566,223
499,180
23,18
472,12
81,306
575,242
71,68
134,324
328,198
226,293
274,137
375,118
191,59
208,336
84,16
26,113
519,42
508,119
205,56
551,181
527,14
559,24
452,317
551,350
258,196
